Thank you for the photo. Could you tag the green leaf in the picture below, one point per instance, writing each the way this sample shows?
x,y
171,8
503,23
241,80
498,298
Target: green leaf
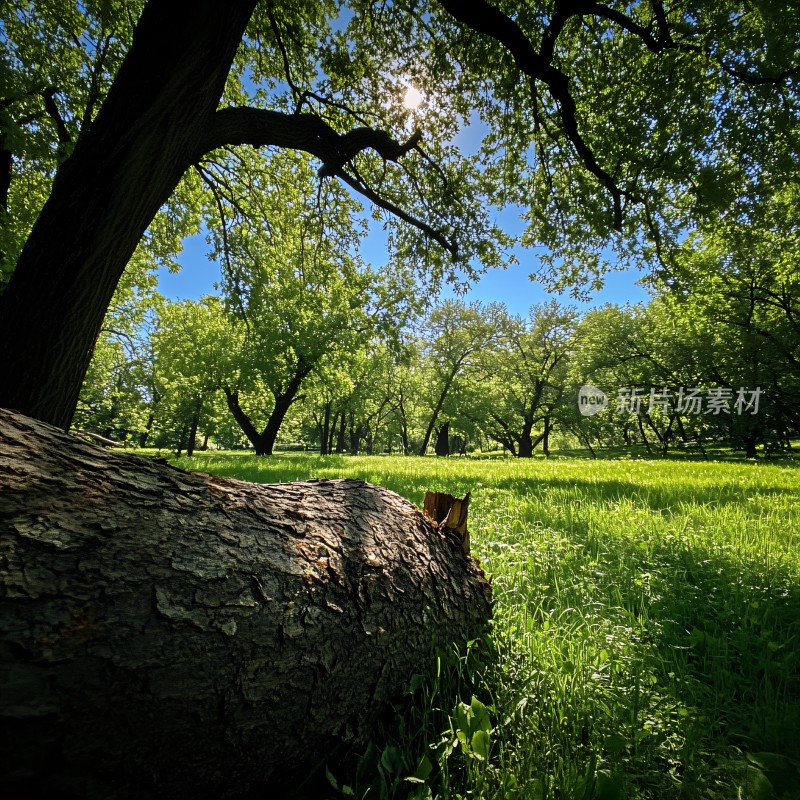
x,y
424,768
391,760
331,779
481,720
480,744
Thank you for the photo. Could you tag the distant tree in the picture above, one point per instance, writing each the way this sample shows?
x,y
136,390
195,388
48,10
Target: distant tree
x,y
298,291
451,338
195,349
524,378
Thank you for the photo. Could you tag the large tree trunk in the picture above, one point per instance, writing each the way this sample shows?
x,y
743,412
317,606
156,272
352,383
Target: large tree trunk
x,y
149,130
174,634
442,447
526,439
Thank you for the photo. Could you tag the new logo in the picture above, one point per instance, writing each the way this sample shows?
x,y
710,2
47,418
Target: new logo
x,y
591,400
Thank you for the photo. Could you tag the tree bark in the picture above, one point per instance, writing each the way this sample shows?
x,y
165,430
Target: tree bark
x,y
264,442
175,634
403,427
641,431
438,407
587,442
546,436
525,439
149,130
442,446
325,429
356,434
191,442
340,434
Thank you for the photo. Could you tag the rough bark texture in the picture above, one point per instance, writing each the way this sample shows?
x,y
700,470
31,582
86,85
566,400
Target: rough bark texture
x,y
174,634
148,132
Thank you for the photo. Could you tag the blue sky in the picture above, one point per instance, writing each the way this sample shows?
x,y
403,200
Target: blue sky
x,y
512,286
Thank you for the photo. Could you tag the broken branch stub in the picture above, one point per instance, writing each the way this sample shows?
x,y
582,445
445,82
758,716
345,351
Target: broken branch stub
x,y
449,514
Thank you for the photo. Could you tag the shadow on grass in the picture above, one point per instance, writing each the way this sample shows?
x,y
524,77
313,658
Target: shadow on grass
x,y
663,498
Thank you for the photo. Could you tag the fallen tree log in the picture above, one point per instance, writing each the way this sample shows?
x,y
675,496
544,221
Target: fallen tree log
x,y
175,634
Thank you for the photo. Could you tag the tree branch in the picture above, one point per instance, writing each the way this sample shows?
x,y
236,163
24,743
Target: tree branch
x,y
485,18
387,205
311,134
307,132
48,96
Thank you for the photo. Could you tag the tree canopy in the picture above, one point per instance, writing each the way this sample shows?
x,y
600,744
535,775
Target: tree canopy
x,y
617,128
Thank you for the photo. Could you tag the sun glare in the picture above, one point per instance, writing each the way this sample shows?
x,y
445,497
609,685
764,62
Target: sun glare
x,y
412,99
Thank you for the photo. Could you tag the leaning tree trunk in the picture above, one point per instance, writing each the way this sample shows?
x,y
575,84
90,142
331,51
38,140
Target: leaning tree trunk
x,y
175,634
148,132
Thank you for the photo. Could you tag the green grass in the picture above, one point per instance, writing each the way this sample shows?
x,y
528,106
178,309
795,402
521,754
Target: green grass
x,y
646,641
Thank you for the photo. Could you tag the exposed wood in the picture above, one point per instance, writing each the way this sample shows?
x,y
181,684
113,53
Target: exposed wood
x,y
175,634
449,514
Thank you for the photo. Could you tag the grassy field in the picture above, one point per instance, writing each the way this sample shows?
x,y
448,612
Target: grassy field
x,y
646,641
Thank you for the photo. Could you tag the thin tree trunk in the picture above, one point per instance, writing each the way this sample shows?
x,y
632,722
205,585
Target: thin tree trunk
x,y
340,434
181,440
151,418
681,429
650,424
355,435
150,652
641,431
587,442
326,430
437,409
404,427
192,440
546,436
331,435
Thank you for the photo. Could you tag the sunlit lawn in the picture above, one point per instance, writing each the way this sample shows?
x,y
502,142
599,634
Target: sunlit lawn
x,y
647,627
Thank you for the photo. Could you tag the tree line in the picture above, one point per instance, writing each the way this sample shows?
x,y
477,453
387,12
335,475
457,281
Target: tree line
x,y
306,344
